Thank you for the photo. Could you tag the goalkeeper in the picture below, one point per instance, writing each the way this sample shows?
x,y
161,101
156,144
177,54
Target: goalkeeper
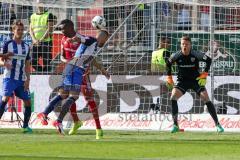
x,y
188,77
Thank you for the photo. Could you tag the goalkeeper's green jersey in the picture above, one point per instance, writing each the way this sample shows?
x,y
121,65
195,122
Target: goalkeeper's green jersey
x,y
158,62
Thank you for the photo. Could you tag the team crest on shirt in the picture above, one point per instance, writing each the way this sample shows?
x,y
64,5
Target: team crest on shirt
x,y
193,59
205,57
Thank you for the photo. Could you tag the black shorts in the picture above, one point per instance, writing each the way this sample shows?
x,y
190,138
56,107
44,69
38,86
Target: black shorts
x,y
183,86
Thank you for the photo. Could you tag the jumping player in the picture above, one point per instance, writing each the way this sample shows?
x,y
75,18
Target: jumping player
x,y
68,50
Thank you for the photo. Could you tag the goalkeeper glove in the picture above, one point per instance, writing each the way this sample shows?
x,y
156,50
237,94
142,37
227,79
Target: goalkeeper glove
x,y
202,79
170,82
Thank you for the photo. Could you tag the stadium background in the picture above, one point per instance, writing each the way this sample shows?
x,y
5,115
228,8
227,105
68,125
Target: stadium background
x,y
128,55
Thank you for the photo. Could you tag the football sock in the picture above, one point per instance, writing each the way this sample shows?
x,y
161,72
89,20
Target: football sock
x,y
27,115
65,108
212,112
52,104
175,112
2,108
73,111
94,110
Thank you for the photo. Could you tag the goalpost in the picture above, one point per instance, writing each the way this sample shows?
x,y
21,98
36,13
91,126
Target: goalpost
x,y
136,27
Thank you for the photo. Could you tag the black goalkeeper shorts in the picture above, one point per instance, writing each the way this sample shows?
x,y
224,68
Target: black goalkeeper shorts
x,y
183,86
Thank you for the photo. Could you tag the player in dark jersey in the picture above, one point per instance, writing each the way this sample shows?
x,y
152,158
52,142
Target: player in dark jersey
x,y
188,77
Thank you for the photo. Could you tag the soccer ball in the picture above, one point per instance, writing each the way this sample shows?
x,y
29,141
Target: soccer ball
x,y
99,22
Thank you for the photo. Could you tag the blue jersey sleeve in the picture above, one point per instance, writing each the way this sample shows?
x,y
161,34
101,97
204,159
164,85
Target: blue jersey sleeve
x,y
81,49
86,40
90,40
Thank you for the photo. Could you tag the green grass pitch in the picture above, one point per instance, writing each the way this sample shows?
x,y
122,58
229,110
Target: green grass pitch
x,y
126,145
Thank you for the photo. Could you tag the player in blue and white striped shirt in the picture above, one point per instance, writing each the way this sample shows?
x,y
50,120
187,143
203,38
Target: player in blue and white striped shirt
x,y
73,75
17,72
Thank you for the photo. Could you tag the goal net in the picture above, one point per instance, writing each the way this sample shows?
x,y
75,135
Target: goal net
x,y
136,27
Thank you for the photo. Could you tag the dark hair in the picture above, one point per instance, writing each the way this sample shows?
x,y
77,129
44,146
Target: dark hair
x,y
16,23
164,39
66,22
186,38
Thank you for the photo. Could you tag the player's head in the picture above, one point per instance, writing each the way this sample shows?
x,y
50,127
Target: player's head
x,y
186,44
102,37
17,29
67,28
164,42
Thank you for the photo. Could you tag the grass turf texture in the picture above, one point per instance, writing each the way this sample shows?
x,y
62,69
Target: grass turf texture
x,y
48,145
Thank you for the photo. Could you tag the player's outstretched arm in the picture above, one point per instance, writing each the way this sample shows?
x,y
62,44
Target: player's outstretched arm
x,y
169,80
1,62
100,68
27,70
6,56
4,63
169,62
62,57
